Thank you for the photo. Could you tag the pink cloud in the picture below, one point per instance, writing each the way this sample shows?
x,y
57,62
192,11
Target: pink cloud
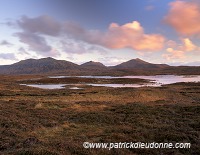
x,y
131,35
173,54
184,17
171,44
188,45
176,51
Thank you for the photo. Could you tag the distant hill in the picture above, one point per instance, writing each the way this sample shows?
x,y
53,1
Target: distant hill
x,y
139,64
37,66
62,67
93,65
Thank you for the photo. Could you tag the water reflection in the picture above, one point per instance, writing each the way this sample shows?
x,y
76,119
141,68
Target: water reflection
x,y
126,85
156,81
46,86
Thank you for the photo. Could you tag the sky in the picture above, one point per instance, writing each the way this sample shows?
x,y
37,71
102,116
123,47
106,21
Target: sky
x,y
107,31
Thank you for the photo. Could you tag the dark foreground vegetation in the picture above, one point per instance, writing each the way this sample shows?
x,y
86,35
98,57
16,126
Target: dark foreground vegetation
x,y
57,122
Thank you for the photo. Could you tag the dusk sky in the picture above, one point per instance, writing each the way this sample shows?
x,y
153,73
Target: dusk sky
x,y
109,31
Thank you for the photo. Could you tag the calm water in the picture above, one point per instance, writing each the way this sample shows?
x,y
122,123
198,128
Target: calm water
x,y
46,86
124,85
157,80
75,88
50,86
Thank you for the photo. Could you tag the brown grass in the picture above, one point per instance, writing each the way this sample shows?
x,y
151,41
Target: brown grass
x,y
37,121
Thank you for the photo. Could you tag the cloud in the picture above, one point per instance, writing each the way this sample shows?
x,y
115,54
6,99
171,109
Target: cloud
x,y
188,45
9,22
53,53
184,17
23,51
132,35
80,47
129,35
74,30
97,49
179,51
35,42
6,43
173,54
195,63
111,61
42,25
35,31
8,56
171,44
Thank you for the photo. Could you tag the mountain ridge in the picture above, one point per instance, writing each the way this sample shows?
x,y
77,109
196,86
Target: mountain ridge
x,y
132,67
93,65
138,63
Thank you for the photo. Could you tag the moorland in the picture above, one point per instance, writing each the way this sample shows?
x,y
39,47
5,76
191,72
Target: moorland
x,y
58,121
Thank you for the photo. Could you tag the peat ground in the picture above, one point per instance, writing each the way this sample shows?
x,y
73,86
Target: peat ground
x,y
57,122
